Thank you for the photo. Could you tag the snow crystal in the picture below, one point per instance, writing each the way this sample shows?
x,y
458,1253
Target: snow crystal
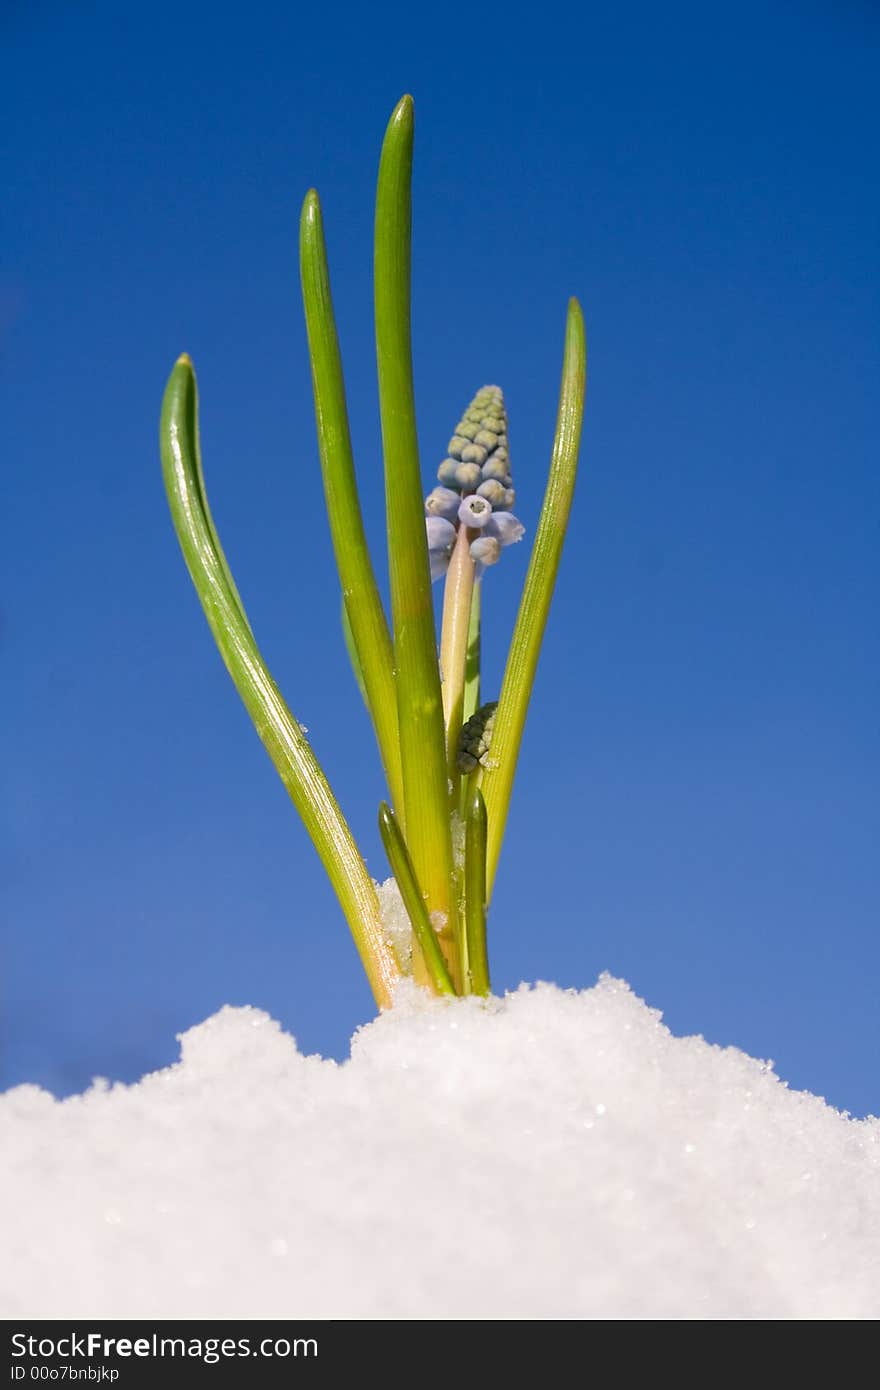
x,y
395,920
549,1155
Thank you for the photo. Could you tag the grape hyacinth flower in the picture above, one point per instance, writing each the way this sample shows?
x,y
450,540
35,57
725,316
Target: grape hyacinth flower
x,y
448,798
443,501
476,487
485,551
469,523
441,542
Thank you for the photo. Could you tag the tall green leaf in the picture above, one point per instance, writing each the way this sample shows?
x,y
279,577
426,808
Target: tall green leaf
x,y
496,780
363,605
419,706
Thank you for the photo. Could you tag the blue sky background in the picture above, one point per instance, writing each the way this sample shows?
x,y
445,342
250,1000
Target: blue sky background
x,y
696,805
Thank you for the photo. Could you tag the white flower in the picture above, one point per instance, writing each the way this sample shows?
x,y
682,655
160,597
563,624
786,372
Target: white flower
x,y
475,511
441,533
441,538
442,501
505,527
485,550
439,561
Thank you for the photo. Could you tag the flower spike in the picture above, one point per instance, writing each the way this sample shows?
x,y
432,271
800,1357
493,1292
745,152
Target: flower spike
x,y
475,491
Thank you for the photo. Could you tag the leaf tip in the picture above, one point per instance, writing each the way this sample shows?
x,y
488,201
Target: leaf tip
x,y
403,116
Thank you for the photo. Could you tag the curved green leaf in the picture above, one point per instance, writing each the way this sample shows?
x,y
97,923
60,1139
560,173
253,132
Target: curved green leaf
x,y
410,892
284,739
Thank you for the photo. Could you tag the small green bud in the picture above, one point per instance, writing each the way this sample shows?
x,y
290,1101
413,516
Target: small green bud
x,y
475,738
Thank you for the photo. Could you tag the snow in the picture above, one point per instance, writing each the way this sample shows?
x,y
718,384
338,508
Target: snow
x,y
395,920
550,1155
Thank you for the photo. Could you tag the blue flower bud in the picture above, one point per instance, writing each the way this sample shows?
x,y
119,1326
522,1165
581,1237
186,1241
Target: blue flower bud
x,y
441,533
505,528
478,462
493,491
441,539
447,472
456,444
442,501
474,453
468,475
474,511
485,550
495,468
439,562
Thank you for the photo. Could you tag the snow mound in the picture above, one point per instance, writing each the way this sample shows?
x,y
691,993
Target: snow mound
x,y
549,1155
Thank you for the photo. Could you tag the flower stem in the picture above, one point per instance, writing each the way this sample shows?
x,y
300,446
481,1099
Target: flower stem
x,y
454,650
472,665
454,634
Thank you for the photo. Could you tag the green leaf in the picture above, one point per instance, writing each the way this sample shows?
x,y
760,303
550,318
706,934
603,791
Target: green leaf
x,y
363,605
353,654
414,902
496,780
282,735
475,894
419,707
